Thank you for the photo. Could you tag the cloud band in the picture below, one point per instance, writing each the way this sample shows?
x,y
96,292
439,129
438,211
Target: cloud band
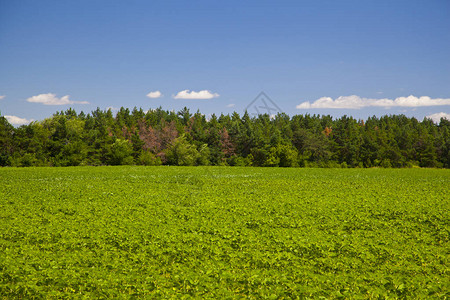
x,y
356,102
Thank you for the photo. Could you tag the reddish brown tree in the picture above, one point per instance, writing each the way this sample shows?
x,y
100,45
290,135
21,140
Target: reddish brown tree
x,y
327,131
157,140
226,145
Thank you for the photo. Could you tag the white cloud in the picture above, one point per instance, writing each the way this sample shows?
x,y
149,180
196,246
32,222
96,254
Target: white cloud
x,y
17,121
155,94
186,94
150,109
231,105
112,108
356,102
2,97
51,99
437,117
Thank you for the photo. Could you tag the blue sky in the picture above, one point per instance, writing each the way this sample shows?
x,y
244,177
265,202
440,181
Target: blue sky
x,y
358,58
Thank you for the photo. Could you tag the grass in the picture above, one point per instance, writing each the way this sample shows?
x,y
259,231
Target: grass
x,y
218,232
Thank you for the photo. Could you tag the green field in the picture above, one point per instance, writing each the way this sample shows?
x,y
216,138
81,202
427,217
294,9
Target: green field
x,y
221,232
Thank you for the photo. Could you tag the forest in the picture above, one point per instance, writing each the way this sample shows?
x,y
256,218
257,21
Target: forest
x,y
160,137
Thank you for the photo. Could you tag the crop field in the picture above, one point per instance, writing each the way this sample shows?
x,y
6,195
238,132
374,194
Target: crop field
x,y
222,232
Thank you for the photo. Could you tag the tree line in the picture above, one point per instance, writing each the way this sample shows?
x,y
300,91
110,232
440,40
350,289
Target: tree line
x,y
160,137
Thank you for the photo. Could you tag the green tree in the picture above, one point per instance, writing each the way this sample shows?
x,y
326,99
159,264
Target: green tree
x,y
120,153
6,140
182,153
